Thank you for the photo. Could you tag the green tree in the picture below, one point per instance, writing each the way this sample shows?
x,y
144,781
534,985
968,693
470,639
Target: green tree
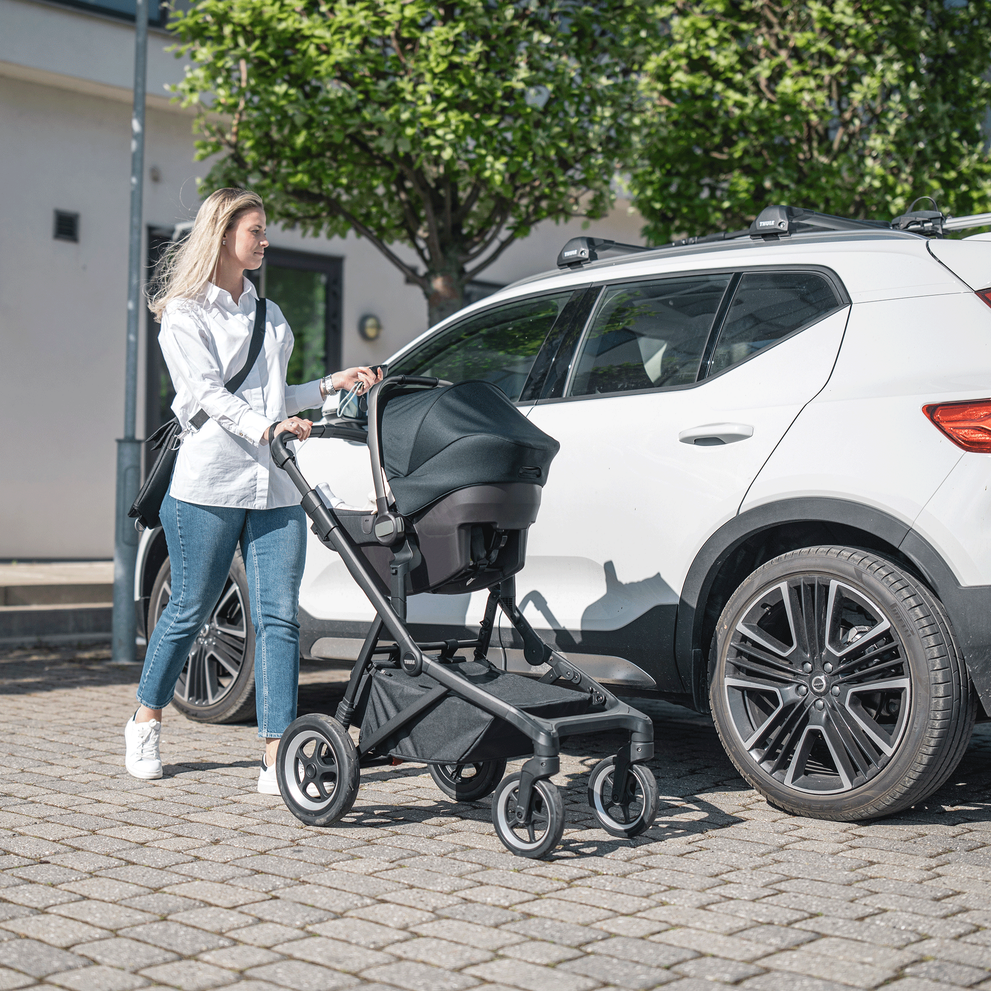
x,y
449,128
852,107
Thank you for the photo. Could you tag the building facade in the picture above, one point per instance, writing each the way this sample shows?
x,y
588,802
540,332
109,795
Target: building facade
x,y
66,76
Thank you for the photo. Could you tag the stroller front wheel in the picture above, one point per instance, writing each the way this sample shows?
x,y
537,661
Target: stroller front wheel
x,y
543,832
468,782
317,769
631,812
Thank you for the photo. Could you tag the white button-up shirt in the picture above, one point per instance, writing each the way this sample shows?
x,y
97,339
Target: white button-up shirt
x,y
205,342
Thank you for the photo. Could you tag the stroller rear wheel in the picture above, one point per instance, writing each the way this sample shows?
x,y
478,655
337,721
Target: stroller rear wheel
x,y
543,832
468,782
318,771
631,812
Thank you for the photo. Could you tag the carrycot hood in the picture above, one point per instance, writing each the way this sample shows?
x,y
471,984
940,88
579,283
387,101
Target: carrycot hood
x,y
442,440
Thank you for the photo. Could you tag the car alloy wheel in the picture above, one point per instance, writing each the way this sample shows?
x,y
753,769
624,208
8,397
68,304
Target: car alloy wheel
x,y
838,690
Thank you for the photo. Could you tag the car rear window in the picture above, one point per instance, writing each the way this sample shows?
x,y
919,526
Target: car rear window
x,y
766,307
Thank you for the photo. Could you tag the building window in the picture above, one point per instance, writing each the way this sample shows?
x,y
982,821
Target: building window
x,y
66,226
158,11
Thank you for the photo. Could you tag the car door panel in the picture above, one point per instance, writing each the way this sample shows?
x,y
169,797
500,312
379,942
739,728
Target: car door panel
x,y
628,502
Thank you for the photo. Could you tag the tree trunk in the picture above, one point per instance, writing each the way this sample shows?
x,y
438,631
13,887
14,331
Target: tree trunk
x,y
446,296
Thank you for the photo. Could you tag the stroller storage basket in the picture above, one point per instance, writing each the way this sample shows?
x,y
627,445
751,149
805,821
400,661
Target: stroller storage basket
x,y
452,730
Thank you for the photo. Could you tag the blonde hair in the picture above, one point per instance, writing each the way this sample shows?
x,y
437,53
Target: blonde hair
x,y
187,266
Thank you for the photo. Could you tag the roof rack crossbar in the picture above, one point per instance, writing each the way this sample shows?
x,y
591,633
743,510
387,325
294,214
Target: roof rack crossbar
x,y
775,222
962,223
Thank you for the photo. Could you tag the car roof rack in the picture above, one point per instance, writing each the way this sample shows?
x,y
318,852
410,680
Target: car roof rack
x,y
775,222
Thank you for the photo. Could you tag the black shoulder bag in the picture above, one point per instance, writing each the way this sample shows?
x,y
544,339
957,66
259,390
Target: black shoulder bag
x,y
165,439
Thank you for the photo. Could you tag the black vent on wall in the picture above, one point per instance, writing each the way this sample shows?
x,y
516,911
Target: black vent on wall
x,y
66,226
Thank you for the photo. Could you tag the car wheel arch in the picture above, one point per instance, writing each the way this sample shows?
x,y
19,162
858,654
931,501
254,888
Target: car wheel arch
x,y
742,544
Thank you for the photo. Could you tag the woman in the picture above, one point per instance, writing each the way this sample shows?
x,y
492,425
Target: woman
x,y
225,490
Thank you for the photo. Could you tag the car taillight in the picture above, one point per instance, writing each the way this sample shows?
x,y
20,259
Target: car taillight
x,y
967,424
985,294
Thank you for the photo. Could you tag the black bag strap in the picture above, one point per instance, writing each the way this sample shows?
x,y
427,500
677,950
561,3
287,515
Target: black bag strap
x,y
257,337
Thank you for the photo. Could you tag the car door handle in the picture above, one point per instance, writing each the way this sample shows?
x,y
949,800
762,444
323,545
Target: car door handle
x,y
716,434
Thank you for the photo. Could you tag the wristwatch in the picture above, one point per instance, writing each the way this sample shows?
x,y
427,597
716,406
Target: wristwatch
x,y
327,385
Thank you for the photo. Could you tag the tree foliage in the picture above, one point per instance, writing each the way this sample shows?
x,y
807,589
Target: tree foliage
x,y
450,128
853,107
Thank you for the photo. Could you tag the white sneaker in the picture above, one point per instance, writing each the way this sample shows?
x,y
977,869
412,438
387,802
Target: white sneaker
x,y
142,740
268,783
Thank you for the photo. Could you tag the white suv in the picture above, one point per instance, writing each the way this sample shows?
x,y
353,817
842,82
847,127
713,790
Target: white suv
x,y
771,500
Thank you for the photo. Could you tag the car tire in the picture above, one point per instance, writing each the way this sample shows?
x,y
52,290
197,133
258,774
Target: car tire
x,y
217,684
837,687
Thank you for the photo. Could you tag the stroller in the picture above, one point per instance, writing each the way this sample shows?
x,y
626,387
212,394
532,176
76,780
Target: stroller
x,y
458,472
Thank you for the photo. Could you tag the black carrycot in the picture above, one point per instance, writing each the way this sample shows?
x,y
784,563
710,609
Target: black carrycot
x,y
443,440
466,469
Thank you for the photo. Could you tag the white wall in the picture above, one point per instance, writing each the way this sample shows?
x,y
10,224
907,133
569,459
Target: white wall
x,y
65,109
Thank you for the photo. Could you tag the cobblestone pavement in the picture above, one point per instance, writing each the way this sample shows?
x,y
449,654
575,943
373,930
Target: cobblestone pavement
x,y
196,881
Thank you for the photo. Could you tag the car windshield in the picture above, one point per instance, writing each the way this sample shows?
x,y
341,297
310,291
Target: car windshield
x,y
498,345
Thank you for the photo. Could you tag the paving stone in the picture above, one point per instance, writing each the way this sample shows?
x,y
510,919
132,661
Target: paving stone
x,y
97,979
830,968
12,979
125,953
440,952
36,958
37,895
957,952
621,973
239,957
489,894
731,947
713,921
648,952
104,889
333,953
399,916
531,977
540,952
360,932
554,931
793,982
555,908
866,930
947,972
422,977
173,936
218,920
717,969
469,933
104,915
265,934
214,893
162,904
190,975
54,930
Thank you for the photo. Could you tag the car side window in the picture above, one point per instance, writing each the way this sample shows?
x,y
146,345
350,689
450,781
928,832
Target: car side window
x,y
766,307
498,345
648,335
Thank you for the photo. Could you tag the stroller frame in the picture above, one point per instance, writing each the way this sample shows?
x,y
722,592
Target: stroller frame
x,y
389,643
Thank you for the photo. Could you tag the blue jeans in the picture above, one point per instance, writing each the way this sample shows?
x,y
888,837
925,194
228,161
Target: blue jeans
x,y
202,541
